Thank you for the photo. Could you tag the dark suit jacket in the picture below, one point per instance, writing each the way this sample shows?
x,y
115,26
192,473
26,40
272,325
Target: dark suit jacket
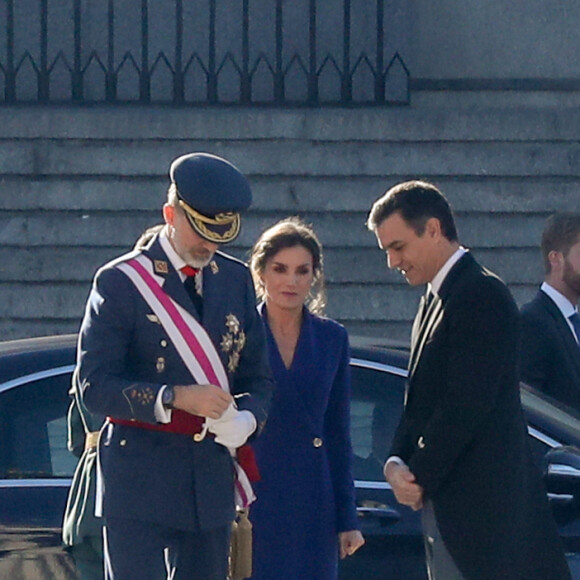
x,y
463,434
549,354
124,359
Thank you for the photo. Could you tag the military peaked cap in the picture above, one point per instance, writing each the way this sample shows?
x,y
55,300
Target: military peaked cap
x,y
212,192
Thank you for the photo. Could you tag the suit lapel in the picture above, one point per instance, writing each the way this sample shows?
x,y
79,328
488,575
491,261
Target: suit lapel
x,y
425,324
563,329
423,327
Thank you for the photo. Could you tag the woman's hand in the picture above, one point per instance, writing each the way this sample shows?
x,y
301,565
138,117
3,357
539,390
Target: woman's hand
x,y
350,542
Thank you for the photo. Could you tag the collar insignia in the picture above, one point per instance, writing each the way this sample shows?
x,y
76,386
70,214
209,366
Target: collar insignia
x,y
214,267
160,267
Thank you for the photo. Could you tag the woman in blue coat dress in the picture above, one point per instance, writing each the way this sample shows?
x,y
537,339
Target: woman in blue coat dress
x,y
305,514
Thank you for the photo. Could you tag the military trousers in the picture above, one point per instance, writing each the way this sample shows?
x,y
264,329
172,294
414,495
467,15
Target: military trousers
x,y
136,550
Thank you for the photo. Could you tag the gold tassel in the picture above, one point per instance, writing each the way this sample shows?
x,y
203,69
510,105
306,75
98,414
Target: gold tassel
x,y
241,546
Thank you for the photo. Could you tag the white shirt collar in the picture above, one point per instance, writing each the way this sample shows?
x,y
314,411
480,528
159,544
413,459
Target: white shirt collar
x,y
435,285
176,260
566,307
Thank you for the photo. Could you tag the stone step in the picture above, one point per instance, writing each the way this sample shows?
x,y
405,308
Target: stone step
x,y
335,229
352,302
15,328
507,121
289,194
79,185
342,265
290,158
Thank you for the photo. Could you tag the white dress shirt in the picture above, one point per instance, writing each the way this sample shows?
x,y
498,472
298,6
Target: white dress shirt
x,y
564,305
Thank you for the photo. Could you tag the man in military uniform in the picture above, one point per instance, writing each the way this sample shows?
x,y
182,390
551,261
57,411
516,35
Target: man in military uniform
x,y
172,351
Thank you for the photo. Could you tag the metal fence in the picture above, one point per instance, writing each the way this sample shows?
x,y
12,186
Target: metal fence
x,y
188,52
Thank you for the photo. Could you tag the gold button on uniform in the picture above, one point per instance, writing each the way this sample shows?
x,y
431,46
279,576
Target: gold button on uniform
x,y
163,343
421,443
123,442
317,442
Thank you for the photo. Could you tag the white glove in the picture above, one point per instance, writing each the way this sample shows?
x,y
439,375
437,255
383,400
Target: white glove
x,y
233,428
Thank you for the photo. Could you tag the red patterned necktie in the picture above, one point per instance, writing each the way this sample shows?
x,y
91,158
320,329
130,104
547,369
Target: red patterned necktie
x,y
189,271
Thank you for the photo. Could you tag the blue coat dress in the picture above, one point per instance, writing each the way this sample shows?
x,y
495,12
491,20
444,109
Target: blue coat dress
x,y
306,492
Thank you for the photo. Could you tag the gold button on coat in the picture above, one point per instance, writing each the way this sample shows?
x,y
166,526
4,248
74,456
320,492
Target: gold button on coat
x,y
317,442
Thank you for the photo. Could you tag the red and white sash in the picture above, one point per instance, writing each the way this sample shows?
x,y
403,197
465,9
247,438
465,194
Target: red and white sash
x,y
192,343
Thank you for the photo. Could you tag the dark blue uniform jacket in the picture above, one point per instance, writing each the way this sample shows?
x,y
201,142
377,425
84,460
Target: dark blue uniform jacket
x,y
124,359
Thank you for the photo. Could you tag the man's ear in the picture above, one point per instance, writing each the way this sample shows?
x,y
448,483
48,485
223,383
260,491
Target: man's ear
x,y
433,227
556,260
168,213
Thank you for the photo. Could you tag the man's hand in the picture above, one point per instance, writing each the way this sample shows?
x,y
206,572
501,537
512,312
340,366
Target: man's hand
x,y
233,428
405,489
349,542
203,400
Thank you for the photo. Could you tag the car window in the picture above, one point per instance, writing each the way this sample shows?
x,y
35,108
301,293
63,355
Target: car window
x,y
376,407
33,433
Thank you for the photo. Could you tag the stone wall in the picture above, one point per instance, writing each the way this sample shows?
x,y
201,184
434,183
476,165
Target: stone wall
x,y
77,187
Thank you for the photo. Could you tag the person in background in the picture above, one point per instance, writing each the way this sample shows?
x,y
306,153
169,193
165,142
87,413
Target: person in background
x,y
550,351
460,452
82,531
305,514
172,351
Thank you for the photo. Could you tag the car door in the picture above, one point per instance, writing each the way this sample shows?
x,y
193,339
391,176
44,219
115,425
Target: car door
x,y
394,545
35,475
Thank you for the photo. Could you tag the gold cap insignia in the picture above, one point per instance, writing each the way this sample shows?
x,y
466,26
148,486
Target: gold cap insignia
x,y
219,229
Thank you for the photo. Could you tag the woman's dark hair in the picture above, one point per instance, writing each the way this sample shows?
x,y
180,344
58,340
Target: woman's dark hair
x,y
289,233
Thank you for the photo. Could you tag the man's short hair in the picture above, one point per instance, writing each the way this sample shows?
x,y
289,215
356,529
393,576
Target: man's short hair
x,y
561,232
416,202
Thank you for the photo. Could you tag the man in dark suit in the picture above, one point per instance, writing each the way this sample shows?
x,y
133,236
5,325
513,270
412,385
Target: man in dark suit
x,y
172,351
460,451
550,354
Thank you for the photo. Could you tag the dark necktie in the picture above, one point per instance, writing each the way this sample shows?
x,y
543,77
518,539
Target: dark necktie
x,y
575,320
189,284
427,299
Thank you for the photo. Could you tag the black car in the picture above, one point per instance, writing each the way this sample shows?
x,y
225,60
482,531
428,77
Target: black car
x,y
36,467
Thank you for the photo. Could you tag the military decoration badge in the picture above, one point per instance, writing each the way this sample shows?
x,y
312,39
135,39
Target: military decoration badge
x,y
160,267
233,342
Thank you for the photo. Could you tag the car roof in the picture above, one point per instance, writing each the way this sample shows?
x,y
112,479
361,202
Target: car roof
x,y
28,356
9,347
545,413
380,350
